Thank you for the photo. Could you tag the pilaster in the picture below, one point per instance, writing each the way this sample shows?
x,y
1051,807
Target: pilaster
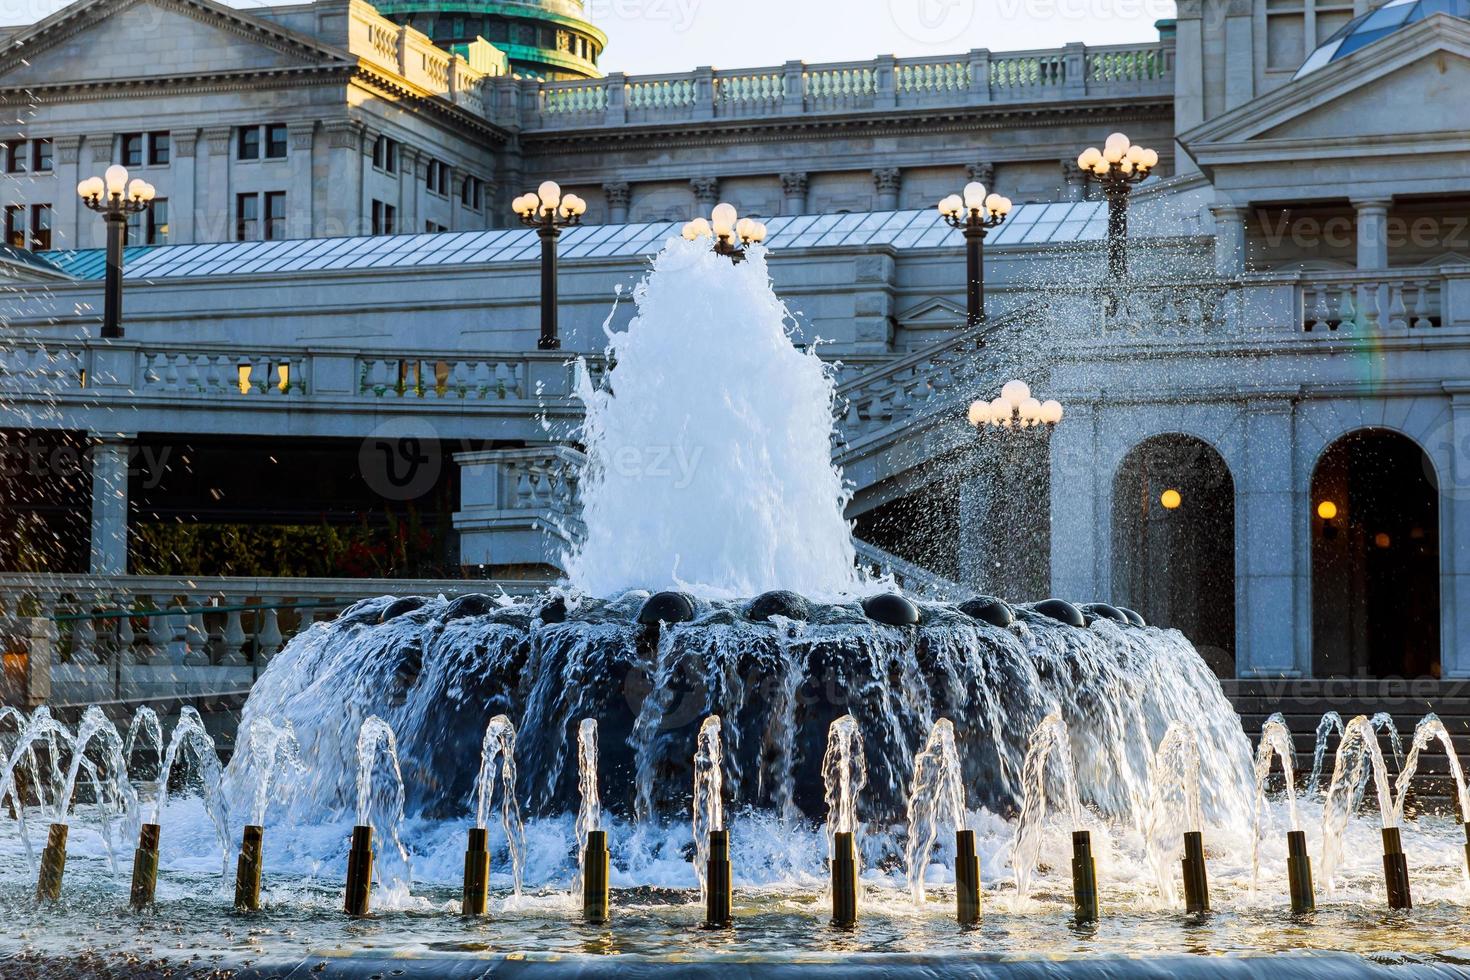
x,y
214,217
299,223
67,150
183,195
1273,558
109,459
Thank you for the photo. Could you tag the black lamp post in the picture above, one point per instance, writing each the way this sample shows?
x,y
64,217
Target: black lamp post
x,y
549,211
733,234
975,213
1117,167
115,198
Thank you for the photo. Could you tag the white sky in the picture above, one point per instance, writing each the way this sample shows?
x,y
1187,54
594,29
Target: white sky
x,y
652,36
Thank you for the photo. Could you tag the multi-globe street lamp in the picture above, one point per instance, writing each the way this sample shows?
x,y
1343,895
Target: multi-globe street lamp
x,y
975,213
1015,408
548,210
1117,167
733,234
115,198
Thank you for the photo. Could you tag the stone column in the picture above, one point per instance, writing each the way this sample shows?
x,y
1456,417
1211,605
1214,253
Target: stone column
x,y
214,216
182,195
408,191
1273,559
1372,233
1229,239
1189,76
793,193
618,194
886,184
1454,549
344,190
93,233
1240,71
706,192
299,223
109,459
1074,181
65,230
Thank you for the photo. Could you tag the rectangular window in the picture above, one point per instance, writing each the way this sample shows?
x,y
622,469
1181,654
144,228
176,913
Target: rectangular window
x,y
275,141
130,149
15,225
15,157
438,178
385,218
275,215
470,194
385,154
434,228
41,155
247,217
249,145
137,233
158,222
40,227
159,148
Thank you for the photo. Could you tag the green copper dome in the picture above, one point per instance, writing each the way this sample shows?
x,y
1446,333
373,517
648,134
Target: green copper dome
x,y
549,39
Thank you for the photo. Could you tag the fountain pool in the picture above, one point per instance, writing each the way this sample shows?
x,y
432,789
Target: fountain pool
x,y
480,751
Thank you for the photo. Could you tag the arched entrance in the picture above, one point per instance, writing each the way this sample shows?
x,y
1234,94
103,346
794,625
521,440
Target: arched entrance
x,y
1174,542
1375,558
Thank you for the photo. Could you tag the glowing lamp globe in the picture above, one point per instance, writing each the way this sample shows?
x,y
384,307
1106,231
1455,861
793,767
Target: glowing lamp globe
x,y
1327,510
1015,392
1171,499
974,195
979,413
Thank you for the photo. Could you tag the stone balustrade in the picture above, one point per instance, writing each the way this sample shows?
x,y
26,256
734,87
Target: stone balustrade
x,y
190,622
1074,72
1374,303
520,507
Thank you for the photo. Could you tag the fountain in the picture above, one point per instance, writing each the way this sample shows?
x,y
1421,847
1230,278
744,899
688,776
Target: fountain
x,y
711,837
844,774
1174,813
271,758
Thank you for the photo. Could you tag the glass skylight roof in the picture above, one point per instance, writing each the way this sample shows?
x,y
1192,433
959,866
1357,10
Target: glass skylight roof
x,y
1362,31
1027,224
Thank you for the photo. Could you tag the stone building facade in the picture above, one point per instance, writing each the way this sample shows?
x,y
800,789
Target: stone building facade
x,y
1300,297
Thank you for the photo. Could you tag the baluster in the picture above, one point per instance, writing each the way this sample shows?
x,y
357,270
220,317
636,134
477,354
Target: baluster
x,y
196,638
195,369
213,378
178,637
518,380
482,379
523,487
124,631
502,381
1421,304
1319,312
1397,313
297,375
378,376
155,648
268,637
1347,311
232,642
1371,312
459,378
541,487
84,636
170,373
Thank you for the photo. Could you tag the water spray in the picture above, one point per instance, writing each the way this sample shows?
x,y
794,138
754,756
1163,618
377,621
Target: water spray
x,y
844,774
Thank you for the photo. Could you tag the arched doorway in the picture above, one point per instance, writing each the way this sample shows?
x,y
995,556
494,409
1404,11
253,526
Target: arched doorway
x,y
1375,558
1174,542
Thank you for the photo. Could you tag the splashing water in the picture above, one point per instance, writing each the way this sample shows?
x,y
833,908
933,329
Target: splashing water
x,y
589,809
1429,729
1332,721
936,801
114,793
1174,807
844,774
272,760
709,793
498,757
1275,742
1358,755
374,735
145,728
714,454
1050,742
190,744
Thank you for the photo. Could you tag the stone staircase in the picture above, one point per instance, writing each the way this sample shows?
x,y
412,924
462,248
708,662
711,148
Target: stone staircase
x,y
1303,702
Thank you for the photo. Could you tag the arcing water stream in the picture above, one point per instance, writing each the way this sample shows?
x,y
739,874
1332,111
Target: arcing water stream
x,y
785,720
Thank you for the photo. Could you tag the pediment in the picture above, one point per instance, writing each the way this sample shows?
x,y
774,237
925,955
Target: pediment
x,y
1396,89
99,41
936,312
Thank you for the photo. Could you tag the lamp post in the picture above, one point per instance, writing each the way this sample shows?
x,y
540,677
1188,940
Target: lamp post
x,y
975,213
1117,167
549,211
115,198
733,234
1016,408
